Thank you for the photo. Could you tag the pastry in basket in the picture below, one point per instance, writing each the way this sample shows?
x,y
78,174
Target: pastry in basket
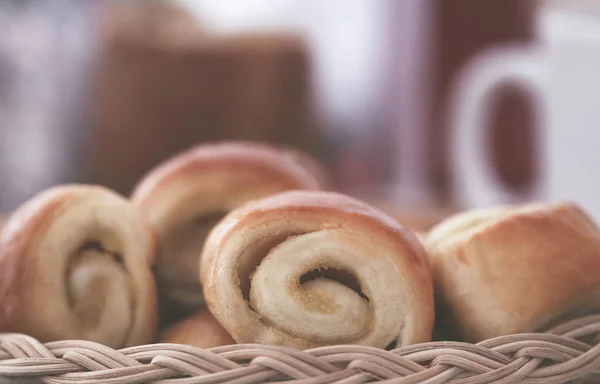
x,y
421,236
309,268
75,263
513,269
188,194
200,329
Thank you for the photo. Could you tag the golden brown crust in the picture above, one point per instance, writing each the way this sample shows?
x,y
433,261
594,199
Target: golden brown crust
x,y
322,205
310,231
293,168
200,330
185,196
45,282
506,270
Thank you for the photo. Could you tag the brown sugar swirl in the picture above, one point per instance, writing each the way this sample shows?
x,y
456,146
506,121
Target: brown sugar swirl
x,y
75,263
309,268
187,195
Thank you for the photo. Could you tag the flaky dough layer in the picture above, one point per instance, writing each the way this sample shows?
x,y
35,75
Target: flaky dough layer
x,y
75,264
187,195
511,269
308,268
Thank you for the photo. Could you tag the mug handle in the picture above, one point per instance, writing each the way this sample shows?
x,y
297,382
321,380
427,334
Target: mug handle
x,y
476,180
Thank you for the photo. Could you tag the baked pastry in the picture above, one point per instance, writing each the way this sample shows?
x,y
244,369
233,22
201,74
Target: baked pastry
x,y
75,263
200,330
309,268
512,269
421,236
187,195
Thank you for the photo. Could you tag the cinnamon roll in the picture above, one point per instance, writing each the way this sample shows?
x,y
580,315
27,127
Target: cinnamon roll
x,y
421,236
75,263
185,197
513,269
200,330
308,268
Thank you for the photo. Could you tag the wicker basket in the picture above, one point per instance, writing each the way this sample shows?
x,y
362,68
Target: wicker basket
x,y
567,353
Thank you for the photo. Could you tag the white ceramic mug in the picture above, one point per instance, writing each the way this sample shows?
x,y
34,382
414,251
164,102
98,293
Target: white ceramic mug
x,y
561,71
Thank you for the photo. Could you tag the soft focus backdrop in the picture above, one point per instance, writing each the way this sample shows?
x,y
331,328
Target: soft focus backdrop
x,y
101,91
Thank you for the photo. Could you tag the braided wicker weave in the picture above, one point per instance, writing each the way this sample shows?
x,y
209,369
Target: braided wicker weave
x,y
566,353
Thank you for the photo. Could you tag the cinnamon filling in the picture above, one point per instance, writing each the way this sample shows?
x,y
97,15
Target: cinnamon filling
x,y
341,276
99,291
247,268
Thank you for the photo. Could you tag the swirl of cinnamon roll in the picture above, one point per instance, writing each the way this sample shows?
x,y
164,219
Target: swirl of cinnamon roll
x,y
309,268
75,263
185,197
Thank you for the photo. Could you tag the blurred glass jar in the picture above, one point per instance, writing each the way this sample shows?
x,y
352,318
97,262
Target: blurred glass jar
x,y
46,51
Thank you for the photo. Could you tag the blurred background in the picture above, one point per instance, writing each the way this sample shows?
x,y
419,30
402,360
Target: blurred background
x,y
101,91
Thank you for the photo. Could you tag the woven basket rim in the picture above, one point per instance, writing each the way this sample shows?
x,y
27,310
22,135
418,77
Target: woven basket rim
x,y
568,352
